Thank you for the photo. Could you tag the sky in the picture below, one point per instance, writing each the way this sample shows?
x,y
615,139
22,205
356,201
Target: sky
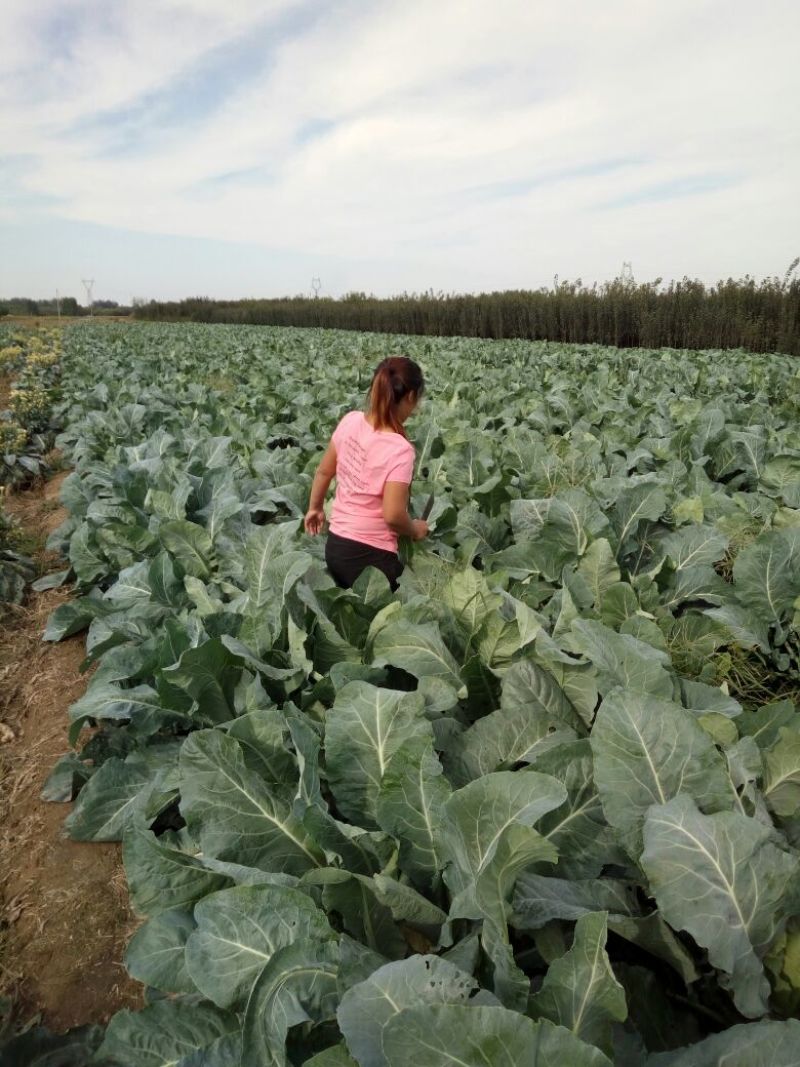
x,y
194,147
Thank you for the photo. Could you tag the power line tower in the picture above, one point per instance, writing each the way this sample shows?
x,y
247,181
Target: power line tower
x,y
316,285
88,284
626,274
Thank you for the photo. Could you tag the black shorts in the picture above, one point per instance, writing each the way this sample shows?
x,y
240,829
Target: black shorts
x,y
346,559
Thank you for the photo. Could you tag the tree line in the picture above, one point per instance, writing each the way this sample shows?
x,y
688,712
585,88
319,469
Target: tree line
x,y
760,316
66,305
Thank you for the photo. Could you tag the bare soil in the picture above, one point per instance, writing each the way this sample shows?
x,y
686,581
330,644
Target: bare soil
x,y
64,915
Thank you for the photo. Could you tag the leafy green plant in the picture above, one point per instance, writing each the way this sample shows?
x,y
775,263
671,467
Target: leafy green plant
x,y
29,372
511,814
16,569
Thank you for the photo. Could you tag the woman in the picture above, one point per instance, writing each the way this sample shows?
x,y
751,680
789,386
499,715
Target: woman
x,y
373,462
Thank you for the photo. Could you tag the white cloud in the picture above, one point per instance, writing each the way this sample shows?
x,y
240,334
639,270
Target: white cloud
x,y
462,144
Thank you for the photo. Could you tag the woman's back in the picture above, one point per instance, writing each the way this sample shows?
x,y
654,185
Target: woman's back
x,y
366,460
372,461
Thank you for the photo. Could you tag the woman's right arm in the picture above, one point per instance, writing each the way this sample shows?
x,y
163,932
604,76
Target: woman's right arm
x,y
395,512
326,472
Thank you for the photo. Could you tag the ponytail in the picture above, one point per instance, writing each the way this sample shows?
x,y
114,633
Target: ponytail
x,y
394,378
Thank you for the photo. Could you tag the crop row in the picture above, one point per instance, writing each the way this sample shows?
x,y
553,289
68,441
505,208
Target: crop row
x,y
540,806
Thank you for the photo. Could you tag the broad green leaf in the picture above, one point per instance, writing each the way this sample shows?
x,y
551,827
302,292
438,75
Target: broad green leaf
x,y
109,701
297,985
208,674
264,544
580,991
337,1056
165,579
647,751
87,560
478,816
418,648
131,586
782,474
469,598
358,901
750,443
239,930
289,676
364,728
239,874
156,954
766,575
518,848
110,801
764,1044
233,814
355,849
68,775
764,724
441,1035
222,505
599,569
651,933
568,609
224,1052
72,617
262,735
410,806
743,625
719,728
213,453
274,584
163,1034
782,777
700,583
694,545
168,505
635,504
534,715
38,1047
539,900
702,699
528,686
509,983
721,879
619,603
406,904
202,597
161,877
366,1008
505,632
745,768
578,827
571,517
622,660
189,544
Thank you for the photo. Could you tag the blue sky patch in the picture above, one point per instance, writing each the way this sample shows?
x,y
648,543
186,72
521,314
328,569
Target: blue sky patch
x,y
675,189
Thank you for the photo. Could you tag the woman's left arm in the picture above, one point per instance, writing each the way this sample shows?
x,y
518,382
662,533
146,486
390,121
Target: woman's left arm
x,y
326,472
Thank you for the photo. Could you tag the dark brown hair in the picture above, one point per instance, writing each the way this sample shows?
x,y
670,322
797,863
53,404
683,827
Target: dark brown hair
x,y
394,378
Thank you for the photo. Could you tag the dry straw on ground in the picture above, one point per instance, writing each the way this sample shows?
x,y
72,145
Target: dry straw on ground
x,y
65,916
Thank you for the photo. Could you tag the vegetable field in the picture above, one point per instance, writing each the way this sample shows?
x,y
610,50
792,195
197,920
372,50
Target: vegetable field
x,y
541,806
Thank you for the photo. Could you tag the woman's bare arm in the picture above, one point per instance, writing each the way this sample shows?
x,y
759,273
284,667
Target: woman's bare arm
x,y
395,512
326,472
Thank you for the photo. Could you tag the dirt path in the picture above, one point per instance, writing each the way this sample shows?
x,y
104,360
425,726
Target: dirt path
x,y
65,919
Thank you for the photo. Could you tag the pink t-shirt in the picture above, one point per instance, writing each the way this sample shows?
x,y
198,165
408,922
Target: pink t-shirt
x,y
365,460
